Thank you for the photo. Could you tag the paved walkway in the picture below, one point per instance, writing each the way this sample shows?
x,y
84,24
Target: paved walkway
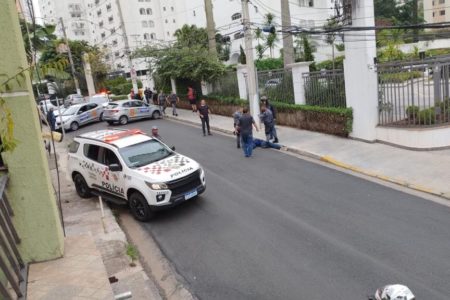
x,y
426,171
95,250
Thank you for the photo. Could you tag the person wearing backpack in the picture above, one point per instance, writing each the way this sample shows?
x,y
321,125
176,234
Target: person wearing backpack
x,y
192,97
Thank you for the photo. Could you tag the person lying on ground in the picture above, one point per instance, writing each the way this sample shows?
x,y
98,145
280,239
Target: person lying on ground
x,y
265,144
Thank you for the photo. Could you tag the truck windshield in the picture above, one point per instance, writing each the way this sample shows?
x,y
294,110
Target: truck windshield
x,y
144,153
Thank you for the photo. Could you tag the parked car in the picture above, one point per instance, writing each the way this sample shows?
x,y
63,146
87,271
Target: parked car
x,y
78,115
123,111
74,99
100,99
129,167
272,83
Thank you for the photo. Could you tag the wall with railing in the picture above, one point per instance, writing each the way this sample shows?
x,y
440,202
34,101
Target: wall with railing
x,y
414,94
325,88
277,85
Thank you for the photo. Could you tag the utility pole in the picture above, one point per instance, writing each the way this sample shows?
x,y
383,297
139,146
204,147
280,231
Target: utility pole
x,y
248,37
288,42
127,49
210,27
77,85
415,11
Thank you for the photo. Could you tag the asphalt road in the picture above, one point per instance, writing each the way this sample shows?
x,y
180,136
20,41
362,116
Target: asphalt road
x,y
274,226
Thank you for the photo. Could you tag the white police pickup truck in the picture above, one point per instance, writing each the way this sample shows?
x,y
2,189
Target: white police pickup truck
x,y
128,166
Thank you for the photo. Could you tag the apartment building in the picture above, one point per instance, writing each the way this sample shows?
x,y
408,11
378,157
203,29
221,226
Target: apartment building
x,y
436,11
154,22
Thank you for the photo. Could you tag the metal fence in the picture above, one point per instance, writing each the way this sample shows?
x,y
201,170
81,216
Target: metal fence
x,y
414,93
277,85
12,266
325,88
227,85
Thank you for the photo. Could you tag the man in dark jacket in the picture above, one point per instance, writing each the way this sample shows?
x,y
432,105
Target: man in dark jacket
x,y
51,119
148,95
273,133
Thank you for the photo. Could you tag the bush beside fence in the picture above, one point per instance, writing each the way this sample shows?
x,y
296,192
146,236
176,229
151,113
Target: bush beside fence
x,y
330,120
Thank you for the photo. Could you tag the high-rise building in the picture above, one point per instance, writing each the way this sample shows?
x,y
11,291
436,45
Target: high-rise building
x,y
436,11
150,22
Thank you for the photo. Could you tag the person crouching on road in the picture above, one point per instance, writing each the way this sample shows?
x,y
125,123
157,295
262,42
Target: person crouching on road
x,y
246,124
265,102
267,118
173,99
203,112
237,114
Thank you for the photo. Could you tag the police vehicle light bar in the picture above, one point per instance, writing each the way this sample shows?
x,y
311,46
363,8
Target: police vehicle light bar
x,y
116,136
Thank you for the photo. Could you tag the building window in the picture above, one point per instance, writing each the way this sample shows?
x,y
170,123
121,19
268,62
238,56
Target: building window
x,y
171,8
442,13
149,11
433,13
110,19
153,36
238,35
193,12
173,21
168,33
103,35
144,24
441,1
114,43
99,13
167,21
146,36
142,11
107,57
100,24
97,2
306,3
164,8
108,7
151,24
113,30
236,16
116,54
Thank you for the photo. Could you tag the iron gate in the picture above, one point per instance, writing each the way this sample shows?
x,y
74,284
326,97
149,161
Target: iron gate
x,y
11,263
415,93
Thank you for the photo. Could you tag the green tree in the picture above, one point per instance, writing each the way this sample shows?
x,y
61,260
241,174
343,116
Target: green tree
x,y
271,38
260,49
304,49
40,37
190,36
50,54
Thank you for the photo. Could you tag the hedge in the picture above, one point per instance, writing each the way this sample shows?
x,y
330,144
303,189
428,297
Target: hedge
x,y
330,120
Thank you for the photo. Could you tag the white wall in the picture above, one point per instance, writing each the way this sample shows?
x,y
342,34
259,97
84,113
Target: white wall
x,y
415,138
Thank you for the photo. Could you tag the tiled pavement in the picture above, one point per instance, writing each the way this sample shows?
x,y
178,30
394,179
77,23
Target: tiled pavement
x,y
80,274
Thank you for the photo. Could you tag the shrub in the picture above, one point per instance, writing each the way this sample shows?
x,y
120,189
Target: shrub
x,y
412,111
427,116
328,64
269,64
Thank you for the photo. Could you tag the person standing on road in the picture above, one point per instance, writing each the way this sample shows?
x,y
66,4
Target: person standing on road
x,y
173,99
51,119
267,118
192,97
265,102
203,112
161,100
148,95
237,114
246,124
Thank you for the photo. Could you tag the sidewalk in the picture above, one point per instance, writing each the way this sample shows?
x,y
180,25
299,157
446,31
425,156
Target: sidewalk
x,y
95,252
425,171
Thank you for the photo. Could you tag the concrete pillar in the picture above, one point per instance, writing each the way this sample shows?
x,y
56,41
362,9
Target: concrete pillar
x,y
173,84
297,79
206,87
29,190
361,84
88,74
241,73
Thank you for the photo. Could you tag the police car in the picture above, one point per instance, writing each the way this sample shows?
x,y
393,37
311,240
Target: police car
x,y
123,111
77,115
128,166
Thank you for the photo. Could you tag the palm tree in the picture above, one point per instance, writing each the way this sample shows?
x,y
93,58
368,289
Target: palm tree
x,y
40,37
260,49
271,38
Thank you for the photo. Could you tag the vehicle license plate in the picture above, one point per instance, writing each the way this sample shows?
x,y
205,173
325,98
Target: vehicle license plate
x,y
190,195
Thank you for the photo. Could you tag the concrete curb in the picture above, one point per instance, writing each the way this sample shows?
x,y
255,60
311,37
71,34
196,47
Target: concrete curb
x,y
332,161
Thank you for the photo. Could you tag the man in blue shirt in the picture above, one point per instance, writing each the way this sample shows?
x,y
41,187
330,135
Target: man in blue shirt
x,y
245,125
